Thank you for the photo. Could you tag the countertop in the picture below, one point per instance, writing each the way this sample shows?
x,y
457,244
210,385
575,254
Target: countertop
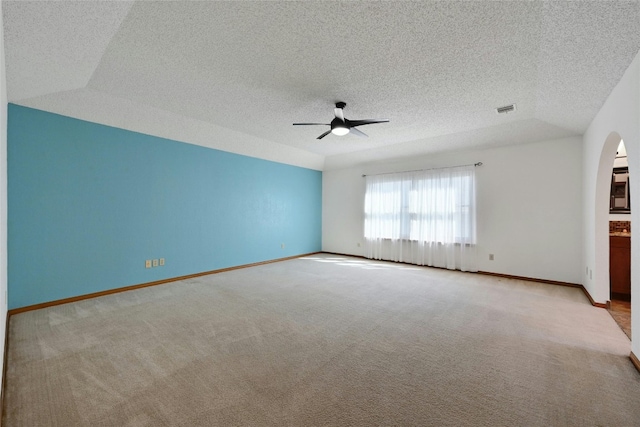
x,y
620,234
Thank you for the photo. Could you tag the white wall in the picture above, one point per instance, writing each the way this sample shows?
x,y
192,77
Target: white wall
x,y
618,118
3,195
619,217
529,206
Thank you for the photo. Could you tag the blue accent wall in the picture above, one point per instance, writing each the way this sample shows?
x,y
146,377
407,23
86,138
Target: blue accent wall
x,y
88,204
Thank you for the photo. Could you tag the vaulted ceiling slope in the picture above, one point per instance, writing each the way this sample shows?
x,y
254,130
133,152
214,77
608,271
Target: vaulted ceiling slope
x,y
236,75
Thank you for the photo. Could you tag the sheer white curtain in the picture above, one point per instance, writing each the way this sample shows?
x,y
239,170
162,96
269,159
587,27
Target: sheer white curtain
x,y
424,218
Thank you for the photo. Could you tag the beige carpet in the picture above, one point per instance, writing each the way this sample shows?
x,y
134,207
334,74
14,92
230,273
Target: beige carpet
x,y
324,341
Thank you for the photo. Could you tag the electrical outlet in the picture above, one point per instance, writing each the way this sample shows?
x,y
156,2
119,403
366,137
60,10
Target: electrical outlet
x,y
147,264
161,261
358,244
590,274
490,257
155,262
282,245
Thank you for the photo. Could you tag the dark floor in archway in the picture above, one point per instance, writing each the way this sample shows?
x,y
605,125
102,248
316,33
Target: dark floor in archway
x,y
621,313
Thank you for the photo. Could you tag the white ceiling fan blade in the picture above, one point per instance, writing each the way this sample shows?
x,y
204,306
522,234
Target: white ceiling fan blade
x,y
358,132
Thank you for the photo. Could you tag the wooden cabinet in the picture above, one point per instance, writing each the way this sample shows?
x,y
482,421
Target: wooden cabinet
x,y
620,267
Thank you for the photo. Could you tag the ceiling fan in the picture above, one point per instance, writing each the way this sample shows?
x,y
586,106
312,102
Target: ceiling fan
x,y
342,126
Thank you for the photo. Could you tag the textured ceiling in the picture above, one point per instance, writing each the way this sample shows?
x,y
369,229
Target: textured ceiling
x,y
236,75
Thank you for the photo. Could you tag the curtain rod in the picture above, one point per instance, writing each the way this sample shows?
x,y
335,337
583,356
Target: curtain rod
x,y
430,169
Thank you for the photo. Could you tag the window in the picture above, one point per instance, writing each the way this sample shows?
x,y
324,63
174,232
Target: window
x,y
428,206
433,207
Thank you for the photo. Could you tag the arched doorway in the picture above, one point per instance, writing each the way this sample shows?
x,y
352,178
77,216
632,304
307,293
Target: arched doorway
x,y
602,231
620,242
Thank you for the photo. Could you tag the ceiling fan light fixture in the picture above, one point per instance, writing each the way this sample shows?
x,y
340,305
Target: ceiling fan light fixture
x,y
340,131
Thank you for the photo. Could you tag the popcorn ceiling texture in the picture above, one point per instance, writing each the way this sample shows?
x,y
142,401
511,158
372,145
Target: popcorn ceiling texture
x,y
56,46
437,70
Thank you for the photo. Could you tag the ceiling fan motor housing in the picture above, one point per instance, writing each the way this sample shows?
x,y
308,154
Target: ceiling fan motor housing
x,y
338,123
339,127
